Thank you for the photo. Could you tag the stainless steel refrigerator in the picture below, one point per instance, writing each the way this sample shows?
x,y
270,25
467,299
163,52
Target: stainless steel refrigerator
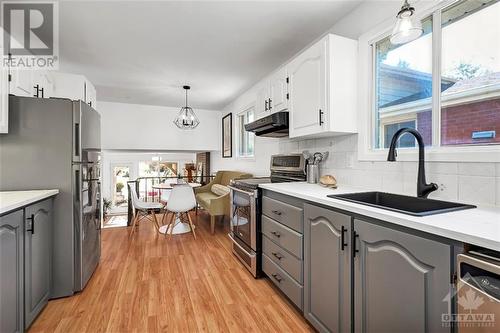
x,y
56,143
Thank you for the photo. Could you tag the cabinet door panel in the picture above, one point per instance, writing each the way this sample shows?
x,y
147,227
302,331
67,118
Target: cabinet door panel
x,y
401,281
4,98
327,270
11,272
37,259
278,92
261,100
22,82
307,90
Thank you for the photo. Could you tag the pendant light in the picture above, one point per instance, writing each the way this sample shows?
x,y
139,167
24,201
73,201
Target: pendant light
x,y
186,119
407,27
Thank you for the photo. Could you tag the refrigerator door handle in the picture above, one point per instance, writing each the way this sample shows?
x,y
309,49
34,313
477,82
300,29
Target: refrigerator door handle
x,y
77,185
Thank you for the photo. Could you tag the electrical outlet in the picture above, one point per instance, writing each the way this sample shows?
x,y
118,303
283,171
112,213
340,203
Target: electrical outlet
x,y
442,187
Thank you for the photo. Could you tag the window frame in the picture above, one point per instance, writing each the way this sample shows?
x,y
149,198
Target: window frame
x,y
367,98
239,128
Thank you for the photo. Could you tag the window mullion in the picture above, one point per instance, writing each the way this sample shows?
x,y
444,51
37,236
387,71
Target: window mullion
x,y
436,78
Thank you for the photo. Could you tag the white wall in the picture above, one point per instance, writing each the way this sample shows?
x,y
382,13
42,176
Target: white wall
x,y
116,158
147,127
477,183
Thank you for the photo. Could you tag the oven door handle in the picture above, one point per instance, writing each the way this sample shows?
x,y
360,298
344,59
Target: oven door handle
x,y
251,194
251,255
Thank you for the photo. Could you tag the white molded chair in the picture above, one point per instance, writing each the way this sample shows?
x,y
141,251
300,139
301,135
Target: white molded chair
x,y
143,209
181,201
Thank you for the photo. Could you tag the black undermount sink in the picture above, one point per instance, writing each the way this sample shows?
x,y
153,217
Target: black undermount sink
x,y
402,203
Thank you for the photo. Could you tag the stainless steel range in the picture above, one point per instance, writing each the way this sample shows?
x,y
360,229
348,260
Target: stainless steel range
x,y
246,208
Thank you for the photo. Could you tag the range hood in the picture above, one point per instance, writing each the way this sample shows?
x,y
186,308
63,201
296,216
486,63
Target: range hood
x,y
274,125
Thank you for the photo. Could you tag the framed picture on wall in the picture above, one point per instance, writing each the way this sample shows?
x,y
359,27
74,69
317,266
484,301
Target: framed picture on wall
x,y
227,136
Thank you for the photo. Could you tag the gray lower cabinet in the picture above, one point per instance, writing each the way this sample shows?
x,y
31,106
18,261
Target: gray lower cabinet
x,y
327,268
401,281
37,259
11,272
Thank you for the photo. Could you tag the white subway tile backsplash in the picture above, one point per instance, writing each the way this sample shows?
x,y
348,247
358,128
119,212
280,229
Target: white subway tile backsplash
x,y
477,190
393,182
477,169
477,183
497,182
441,168
448,186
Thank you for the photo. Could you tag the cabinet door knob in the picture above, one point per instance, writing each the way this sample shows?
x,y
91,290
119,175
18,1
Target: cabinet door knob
x,y
275,233
32,219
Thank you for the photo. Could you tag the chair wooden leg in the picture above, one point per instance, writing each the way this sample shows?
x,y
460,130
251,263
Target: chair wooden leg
x,y
212,224
163,217
191,225
169,224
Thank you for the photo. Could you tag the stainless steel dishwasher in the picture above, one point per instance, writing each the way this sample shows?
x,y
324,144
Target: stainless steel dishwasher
x,y
478,294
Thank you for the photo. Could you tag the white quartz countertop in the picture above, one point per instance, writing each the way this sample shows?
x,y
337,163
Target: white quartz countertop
x,y
12,200
479,226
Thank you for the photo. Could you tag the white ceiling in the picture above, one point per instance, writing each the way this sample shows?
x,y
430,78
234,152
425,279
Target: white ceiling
x,y
143,52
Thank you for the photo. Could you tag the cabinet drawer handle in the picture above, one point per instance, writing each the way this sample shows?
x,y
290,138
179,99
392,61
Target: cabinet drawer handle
x,y
277,277
277,212
342,238
275,233
270,106
265,103
32,218
277,255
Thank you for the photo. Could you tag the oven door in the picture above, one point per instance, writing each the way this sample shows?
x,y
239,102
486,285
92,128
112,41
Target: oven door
x,y
243,216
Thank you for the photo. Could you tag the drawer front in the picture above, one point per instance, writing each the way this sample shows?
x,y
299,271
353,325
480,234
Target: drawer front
x,y
283,236
283,281
282,258
284,213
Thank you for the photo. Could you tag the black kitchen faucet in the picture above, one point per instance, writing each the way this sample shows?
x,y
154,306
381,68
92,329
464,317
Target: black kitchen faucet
x,y
423,189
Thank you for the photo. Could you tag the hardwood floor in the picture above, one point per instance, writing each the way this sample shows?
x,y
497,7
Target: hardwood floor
x,y
148,284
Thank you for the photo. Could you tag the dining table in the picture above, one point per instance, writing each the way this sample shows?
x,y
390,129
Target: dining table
x,y
180,227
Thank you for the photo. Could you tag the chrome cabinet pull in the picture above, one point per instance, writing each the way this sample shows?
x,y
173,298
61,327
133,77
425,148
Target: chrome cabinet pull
x,y
277,212
277,255
275,233
277,277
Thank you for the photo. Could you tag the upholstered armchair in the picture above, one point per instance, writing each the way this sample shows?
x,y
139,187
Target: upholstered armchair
x,y
214,197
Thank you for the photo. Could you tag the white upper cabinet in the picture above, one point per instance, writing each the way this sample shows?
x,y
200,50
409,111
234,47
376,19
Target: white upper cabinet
x,y
74,87
322,88
278,90
308,91
90,94
4,98
271,95
262,100
21,82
